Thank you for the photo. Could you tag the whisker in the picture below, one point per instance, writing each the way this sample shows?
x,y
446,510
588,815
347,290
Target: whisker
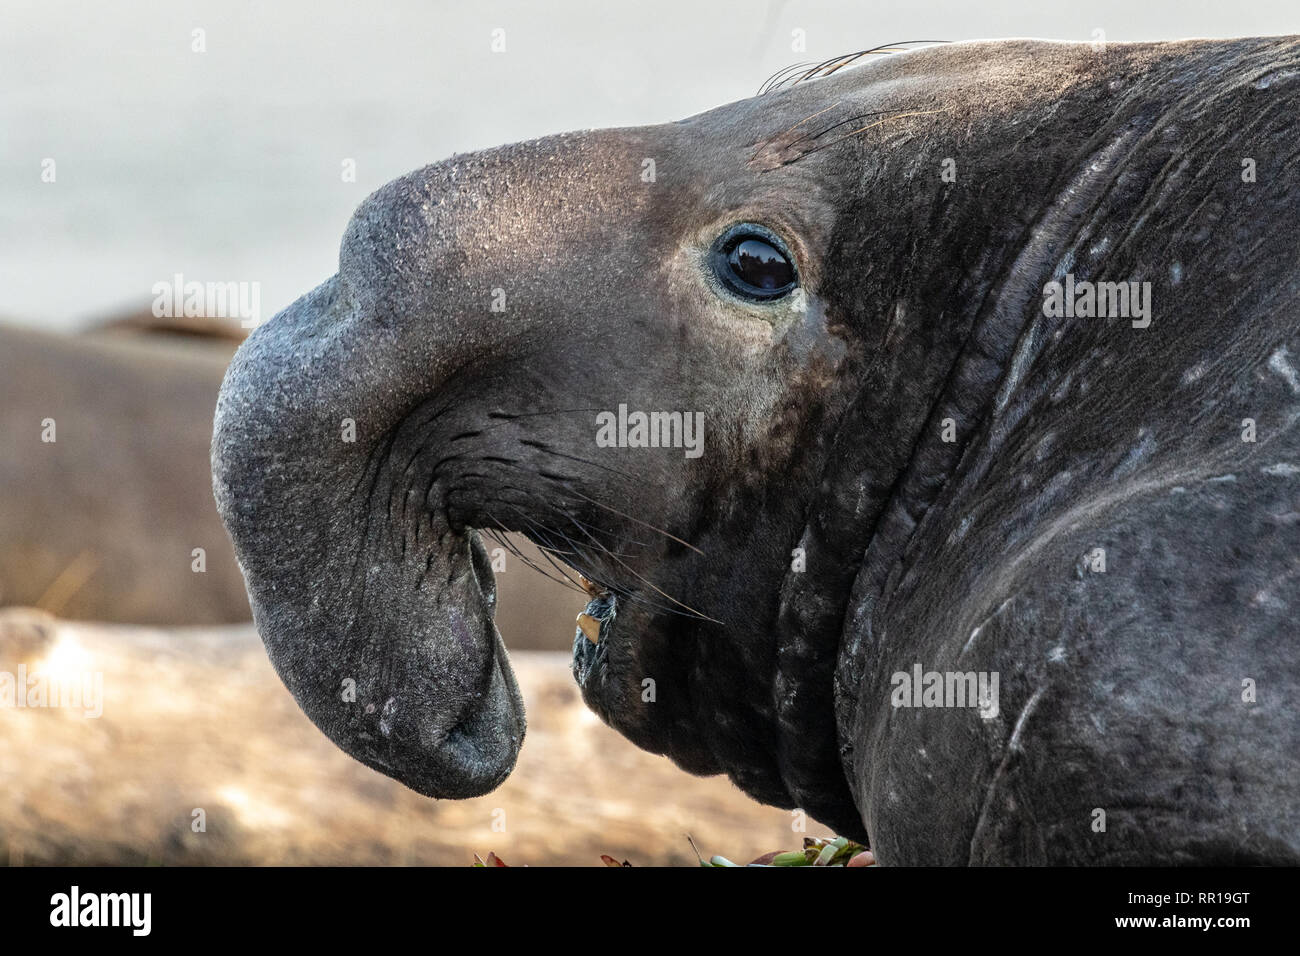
x,y
507,417
513,549
547,545
867,127
568,486
644,524
772,81
701,615
624,539
547,534
594,464
813,116
622,592
803,72
844,122
601,547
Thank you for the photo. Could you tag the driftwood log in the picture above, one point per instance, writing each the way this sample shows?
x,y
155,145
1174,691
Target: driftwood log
x,y
196,720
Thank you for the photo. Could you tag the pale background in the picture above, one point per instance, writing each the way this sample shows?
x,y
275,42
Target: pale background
x,y
225,165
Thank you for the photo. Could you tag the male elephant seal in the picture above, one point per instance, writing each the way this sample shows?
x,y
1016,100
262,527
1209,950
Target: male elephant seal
x,y
918,459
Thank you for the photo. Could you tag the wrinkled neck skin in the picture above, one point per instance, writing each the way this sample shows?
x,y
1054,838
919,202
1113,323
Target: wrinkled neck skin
x,y
1095,150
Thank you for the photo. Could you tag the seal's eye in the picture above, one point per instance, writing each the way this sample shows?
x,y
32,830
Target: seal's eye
x,y
753,263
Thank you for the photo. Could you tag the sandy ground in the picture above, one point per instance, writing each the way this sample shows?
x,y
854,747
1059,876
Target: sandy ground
x,y
197,719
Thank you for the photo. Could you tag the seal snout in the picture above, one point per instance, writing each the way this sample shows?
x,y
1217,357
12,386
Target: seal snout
x,y
387,642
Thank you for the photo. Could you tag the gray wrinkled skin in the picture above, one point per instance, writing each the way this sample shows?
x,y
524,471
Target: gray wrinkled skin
x,y
1120,691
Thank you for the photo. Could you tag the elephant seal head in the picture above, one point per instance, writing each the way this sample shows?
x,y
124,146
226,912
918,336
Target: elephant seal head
x,y
703,365
628,345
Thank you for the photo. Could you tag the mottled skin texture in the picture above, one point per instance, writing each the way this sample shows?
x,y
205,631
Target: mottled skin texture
x,y
824,430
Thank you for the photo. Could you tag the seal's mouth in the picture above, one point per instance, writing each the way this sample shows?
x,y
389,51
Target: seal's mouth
x,y
594,625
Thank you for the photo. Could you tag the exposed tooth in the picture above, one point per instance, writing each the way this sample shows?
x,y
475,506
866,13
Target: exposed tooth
x,y
589,586
589,626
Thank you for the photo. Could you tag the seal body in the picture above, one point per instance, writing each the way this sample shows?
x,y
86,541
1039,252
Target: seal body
x,y
107,513
987,550
1113,531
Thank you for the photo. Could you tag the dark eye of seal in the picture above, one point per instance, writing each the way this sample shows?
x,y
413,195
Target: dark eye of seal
x,y
753,263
